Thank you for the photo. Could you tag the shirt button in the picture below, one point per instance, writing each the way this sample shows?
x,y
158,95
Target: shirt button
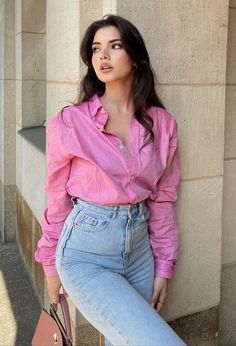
x,y
132,177
121,146
101,128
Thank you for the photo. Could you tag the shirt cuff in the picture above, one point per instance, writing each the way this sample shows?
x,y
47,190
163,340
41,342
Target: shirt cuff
x,y
164,269
50,270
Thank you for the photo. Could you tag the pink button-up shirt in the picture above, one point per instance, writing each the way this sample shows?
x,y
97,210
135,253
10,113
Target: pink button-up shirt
x,y
86,161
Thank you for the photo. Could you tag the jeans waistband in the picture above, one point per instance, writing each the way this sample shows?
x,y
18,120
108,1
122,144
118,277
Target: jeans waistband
x,y
139,207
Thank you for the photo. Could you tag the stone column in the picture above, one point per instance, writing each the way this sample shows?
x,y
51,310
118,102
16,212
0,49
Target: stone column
x,y
30,56
187,43
65,28
227,320
7,121
229,195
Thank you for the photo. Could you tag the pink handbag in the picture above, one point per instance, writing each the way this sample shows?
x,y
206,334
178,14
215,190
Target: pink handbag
x,y
50,331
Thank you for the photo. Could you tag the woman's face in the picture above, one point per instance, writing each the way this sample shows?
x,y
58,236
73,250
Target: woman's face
x,y
109,59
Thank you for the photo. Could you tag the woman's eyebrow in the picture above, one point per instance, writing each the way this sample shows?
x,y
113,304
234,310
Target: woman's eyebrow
x,y
111,41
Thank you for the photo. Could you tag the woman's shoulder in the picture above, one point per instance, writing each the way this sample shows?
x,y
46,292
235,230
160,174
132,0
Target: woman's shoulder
x,y
66,116
163,119
161,114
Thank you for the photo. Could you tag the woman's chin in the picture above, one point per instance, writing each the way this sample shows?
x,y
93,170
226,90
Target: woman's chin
x,y
107,79
112,79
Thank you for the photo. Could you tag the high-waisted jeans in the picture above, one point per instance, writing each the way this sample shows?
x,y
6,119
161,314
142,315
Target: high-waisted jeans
x,y
106,265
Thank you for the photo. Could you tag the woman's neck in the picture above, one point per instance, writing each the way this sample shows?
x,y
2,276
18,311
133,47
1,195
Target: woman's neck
x,y
118,98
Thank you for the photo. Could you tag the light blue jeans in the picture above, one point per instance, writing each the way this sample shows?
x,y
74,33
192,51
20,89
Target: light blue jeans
x,y
105,262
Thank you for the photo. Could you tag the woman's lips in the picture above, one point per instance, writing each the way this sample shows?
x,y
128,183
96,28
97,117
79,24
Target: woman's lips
x,y
106,69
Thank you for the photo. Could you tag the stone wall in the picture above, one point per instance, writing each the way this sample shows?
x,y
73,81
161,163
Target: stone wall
x,y
229,191
187,42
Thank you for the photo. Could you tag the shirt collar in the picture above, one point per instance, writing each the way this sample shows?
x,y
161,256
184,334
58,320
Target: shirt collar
x,y
95,105
97,112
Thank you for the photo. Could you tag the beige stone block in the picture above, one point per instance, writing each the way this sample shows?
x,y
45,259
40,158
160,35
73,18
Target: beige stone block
x,y
182,37
7,213
63,40
9,133
19,102
199,111
30,16
33,177
59,95
2,39
9,40
231,49
73,311
2,214
230,122
33,56
93,10
30,56
109,7
1,129
232,3
18,56
31,103
34,16
229,215
196,282
18,159
18,16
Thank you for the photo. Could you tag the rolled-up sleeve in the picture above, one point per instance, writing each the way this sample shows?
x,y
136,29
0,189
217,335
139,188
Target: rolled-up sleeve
x,y
59,202
162,224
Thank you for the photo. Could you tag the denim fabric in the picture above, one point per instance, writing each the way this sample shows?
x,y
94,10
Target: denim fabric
x,y
105,262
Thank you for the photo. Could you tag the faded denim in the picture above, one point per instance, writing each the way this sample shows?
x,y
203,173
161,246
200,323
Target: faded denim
x,y
105,262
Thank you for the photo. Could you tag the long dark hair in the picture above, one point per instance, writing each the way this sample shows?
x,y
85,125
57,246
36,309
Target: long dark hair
x,y
144,77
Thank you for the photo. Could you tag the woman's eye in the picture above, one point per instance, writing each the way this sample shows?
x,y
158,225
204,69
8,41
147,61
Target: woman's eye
x,y
116,45
94,49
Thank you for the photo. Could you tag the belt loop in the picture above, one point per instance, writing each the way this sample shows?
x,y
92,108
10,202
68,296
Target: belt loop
x,y
73,200
140,207
129,210
114,211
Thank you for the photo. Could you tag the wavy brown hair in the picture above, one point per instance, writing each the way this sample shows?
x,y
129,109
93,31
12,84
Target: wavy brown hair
x,y
144,93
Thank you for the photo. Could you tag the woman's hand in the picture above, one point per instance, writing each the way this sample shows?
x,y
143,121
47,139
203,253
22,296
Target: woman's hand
x,y
159,293
54,285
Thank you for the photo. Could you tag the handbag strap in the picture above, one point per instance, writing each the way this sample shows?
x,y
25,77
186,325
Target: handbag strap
x,y
65,313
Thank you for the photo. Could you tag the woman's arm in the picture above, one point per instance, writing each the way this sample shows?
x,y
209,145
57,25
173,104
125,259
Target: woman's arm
x,y
59,203
163,228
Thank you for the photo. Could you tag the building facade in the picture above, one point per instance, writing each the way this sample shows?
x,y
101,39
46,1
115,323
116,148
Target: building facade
x,y
193,52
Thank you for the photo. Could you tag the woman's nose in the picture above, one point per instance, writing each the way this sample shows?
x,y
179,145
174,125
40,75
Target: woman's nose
x,y
104,55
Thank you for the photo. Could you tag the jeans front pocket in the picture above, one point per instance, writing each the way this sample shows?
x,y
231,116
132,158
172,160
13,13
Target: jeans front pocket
x,y
90,221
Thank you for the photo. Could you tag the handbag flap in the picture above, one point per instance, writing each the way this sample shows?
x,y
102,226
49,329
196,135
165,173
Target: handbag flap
x,y
47,332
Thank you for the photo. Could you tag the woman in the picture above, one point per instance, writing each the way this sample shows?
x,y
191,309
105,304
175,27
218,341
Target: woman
x,y
113,175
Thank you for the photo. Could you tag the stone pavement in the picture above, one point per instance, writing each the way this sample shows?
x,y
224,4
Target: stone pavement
x,y
19,306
